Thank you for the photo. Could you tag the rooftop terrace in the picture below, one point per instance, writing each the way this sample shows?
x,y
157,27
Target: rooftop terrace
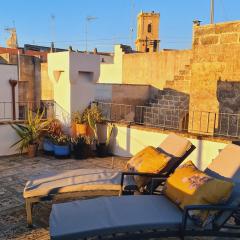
x,y
14,172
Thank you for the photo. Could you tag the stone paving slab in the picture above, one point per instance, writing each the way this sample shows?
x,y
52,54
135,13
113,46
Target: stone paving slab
x,y
14,172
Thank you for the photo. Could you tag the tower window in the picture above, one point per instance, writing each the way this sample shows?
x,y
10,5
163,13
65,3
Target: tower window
x,y
149,27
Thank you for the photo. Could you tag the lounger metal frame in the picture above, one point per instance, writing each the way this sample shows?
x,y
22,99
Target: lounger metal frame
x,y
161,177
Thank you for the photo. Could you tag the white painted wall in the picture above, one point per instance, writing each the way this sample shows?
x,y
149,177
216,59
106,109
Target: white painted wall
x,y
58,72
74,76
84,73
112,73
128,141
7,72
7,138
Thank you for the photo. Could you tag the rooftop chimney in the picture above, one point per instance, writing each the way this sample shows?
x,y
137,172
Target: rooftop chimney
x,y
196,22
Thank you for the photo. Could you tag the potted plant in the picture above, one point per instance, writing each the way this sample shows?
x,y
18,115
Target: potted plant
x,y
30,133
103,147
79,127
94,116
82,146
61,146
54,129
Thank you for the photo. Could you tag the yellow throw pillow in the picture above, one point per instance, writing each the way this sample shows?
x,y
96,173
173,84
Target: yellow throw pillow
x,y
149,160
190,186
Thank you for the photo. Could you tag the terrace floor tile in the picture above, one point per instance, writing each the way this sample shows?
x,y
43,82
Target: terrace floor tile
x,y
15,171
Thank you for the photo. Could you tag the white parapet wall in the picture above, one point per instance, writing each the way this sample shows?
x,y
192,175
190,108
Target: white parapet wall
x,y
127,141
7,137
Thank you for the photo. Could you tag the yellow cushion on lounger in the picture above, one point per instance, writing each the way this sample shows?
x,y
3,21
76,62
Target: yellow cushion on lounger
x,y
149,160
190,186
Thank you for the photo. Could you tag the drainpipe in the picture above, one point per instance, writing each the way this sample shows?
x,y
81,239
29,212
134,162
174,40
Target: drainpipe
x,y
13,84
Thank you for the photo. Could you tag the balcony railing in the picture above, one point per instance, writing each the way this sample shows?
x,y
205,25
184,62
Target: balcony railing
x,y
21,109
199,122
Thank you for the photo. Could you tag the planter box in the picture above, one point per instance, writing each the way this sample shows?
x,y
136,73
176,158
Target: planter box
x,y
48,146
61,151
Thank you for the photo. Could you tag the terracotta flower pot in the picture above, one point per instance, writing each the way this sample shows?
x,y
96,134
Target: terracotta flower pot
x,y
32,150
81,129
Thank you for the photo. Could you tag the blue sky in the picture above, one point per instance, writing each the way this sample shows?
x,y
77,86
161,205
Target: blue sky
x,y
114,20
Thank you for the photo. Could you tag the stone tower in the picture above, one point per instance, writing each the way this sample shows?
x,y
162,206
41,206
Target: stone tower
x,y
147,32
12,41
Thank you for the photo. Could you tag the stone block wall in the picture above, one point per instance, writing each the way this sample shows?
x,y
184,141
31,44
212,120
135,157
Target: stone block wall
x,y
216,34
216,55
169,109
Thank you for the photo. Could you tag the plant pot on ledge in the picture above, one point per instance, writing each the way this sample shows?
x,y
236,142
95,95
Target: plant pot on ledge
x,y
82,147
61,151
102,150
81,129
48,146
78,126
32,150
62,146
30,132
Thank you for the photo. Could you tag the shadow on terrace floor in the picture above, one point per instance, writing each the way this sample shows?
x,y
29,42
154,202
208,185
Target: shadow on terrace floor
x,y
14,172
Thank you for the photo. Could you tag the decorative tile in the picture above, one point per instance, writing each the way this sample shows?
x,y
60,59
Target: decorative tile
x,y
22,232
9,202
10,219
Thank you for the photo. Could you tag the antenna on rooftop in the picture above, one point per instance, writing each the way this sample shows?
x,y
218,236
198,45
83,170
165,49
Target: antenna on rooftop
x,y
88,20
212,12
132,22
53,28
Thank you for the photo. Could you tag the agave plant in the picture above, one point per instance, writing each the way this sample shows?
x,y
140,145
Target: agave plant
x,y
31,132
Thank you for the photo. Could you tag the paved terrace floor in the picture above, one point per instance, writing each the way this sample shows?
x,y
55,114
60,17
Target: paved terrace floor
x,y
14,172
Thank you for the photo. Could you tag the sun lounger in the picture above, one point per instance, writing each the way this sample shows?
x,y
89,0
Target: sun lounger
x,y
96,182
143,217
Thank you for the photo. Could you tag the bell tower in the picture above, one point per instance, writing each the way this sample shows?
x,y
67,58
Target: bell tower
x,y
148,32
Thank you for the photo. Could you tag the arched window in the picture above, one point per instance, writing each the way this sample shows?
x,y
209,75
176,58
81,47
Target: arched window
x,y
149,27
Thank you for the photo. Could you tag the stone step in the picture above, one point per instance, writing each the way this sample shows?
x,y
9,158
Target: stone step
x,y
178,77
183,72
169,83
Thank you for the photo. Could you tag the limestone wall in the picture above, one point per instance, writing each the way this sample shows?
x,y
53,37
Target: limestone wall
x,y
154,68
216,51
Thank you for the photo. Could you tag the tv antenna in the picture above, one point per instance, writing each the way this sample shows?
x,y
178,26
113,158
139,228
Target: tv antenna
x,y
132,22
212,12
53,28
88,20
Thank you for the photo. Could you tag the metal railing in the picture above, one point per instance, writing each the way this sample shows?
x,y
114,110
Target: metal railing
x,y
199,122
21,108
165,118
117,112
